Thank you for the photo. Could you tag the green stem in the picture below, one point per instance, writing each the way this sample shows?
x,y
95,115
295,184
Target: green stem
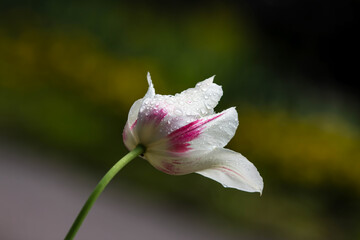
x,y
140,149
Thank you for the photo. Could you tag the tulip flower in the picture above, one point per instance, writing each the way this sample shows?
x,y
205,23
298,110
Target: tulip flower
x,y
179,135
182,134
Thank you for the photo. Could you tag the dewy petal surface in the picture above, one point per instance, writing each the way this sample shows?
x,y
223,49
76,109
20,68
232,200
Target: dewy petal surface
x,y
186,106
174,112
201,100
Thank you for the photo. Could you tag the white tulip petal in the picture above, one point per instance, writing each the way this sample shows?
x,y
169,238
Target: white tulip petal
x,y
192,103
199,136
151,91
149,126
134,111
175,154
215,133
232,170
225,166
130,138
201,100
172,164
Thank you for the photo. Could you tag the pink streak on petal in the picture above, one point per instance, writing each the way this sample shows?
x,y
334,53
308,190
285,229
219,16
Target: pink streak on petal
x,y
167,168
124,134
176,162
227,170
154,116
126,131
133,125
180,139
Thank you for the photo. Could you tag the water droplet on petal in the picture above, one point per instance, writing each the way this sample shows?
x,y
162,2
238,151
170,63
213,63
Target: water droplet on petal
x,y
178,112
207,105
169,101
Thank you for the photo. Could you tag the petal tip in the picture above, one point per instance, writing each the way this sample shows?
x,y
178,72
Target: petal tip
x,y
149,78
260,188
211,78
151,90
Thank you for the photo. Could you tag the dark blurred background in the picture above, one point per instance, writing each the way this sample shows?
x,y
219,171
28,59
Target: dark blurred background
x,y
70,70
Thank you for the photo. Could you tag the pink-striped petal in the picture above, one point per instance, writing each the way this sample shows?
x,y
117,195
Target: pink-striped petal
x,y
225,166
199,136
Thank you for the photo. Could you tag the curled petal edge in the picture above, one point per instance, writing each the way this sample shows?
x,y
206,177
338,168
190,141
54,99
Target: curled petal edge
x,y
232,170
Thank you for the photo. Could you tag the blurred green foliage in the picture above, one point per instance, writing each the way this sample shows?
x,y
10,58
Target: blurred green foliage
x,y
69,72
